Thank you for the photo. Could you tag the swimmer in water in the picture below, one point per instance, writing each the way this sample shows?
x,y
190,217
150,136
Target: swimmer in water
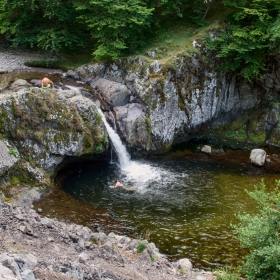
x,y
117,184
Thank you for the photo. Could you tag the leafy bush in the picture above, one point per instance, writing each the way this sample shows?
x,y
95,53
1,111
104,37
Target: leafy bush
x,y
251,34
51,25
260,233
115,26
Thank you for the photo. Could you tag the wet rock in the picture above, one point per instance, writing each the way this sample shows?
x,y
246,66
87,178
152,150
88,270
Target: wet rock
x,y
206,149
132,121
258,157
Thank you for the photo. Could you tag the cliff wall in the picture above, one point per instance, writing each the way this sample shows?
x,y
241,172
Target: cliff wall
x,y
189,98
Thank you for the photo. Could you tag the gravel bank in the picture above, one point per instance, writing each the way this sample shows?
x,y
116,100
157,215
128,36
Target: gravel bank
x,y
11,60
33,247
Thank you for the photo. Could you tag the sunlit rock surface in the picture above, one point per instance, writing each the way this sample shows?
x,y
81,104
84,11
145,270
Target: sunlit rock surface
x,y
258,157
192,98
116,94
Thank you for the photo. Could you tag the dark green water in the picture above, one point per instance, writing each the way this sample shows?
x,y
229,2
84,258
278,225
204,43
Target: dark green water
x,y
187,207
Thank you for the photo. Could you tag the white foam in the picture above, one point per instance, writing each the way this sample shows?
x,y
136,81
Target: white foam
x,y
134,173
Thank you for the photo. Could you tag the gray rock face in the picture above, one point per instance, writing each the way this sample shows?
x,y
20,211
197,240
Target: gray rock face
x,y
167,117
133,125
179,102
258,157
116,94
8,155
19,84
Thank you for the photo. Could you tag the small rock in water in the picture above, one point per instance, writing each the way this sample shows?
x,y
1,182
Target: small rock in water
x,y
258,157
40,210
96,225
206,149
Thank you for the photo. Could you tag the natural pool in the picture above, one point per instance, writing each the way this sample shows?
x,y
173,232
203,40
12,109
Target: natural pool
x,y
185,201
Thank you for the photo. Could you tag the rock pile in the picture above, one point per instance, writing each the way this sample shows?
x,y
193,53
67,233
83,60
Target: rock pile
x,y
35,247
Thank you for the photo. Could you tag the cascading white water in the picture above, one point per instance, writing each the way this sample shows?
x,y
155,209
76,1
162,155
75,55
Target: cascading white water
x,y
115,127
133,173
124,158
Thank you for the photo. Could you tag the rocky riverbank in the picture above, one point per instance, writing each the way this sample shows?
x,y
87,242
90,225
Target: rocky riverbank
x,y
32,247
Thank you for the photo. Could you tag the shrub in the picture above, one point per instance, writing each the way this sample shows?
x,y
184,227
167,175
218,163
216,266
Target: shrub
x,y
260,232
250,37
141,246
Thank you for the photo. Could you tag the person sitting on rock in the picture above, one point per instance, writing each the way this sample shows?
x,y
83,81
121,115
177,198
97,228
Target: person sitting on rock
x,y
46,82
117,184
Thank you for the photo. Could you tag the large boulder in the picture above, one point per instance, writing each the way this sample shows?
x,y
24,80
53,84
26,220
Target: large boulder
x,y
44,128
257,157
132,122
115,94
185,265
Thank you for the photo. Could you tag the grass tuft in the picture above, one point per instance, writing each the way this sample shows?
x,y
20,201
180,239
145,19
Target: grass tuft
x,y
226,273
141,246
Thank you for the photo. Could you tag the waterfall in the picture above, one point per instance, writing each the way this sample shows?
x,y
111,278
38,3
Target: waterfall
x,y
112,148
133,173
123,156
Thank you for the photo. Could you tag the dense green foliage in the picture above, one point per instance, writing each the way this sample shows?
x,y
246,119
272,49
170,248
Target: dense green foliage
x,y
50,25
251,34
116,25
116,28
111,28
260,233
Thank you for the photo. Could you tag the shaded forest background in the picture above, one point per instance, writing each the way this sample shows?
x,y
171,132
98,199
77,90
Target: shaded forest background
x,y
248,30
